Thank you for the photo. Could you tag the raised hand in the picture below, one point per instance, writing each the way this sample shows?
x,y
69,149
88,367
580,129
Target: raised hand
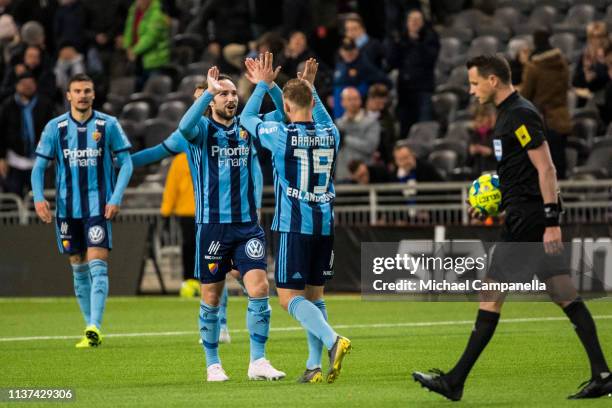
x,y
261,69
310,71
212,79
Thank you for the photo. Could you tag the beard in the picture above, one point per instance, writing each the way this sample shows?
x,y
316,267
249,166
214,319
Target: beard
x,y
225,114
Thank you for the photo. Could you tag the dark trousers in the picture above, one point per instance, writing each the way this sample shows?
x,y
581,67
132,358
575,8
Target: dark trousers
x,y
412,108
188,232
557,143
17,182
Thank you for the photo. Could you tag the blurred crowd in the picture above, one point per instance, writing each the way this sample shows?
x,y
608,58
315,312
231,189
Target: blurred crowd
x,y
391,73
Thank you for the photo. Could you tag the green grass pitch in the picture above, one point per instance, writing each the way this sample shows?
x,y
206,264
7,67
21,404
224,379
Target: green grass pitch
x,y
151,356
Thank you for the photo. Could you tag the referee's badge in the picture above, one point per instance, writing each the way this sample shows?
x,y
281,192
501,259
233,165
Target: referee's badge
x,y
96,136
523,135
497,148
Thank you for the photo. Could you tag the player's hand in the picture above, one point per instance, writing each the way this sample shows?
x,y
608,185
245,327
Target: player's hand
x,y
43,211
212,79
264,70
310,71
110,211
553,243
251,68
4,168
475,214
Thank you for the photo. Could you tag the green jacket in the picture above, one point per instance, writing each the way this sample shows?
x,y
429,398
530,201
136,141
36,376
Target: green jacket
x,y
153,36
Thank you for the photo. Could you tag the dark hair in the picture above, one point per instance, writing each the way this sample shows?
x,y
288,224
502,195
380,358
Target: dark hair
x,y
298,92
356,18
222,77
79,78
348,44
26,75
491,65
402,144
378,91
354,164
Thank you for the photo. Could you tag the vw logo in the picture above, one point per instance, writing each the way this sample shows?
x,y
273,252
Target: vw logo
x,y
255,248
96,234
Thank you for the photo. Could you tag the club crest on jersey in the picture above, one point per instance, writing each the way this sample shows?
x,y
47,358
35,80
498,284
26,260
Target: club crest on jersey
x,y
255,249
96,136
96,234
213,268
244,135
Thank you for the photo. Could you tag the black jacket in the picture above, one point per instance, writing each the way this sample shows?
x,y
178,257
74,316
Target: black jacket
x,y
416,61
10,123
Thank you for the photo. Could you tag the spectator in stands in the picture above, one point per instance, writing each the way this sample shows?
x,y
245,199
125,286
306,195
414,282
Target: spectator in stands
x,y
415,55
147,39
410,169
480,149
519,56
178,200
354,70
69,24
39,11
6,7
591,71
225,22
296,52
377,107
363,174
546,83
32,62
9,40
360,134
369,47
69,63
23,117
605,110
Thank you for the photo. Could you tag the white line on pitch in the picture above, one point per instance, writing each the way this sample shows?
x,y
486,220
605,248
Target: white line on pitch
x,y
297,328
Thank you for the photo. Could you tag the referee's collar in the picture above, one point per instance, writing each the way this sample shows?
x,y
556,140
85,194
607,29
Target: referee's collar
x,y
509,99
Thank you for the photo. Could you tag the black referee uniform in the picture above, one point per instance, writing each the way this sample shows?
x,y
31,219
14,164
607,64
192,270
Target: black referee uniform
x,y
520,254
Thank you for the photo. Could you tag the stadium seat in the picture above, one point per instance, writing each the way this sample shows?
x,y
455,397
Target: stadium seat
x,y
525,29
420,149
586,112
483,45
599,162
472,18
571,159
156,130
585,129
516,44
457,83
133,130
198,68
459,130
544,16
192,40
120,90
560,5
464,34
189,83
445,107
443,160
457,146
425,132
580,146
158,86
577,18
136,111
172,111
499,31
524,6
609,130
509,16
567,43
600,142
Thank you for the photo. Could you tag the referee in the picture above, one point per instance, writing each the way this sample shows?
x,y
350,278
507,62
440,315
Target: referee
x,y
531,231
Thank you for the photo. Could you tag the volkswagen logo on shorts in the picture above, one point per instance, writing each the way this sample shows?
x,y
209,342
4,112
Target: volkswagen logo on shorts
x,y
96,234
255,249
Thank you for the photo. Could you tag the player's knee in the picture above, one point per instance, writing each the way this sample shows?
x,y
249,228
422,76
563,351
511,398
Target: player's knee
x,y
211,298
77,259
284,303
259,288
494,307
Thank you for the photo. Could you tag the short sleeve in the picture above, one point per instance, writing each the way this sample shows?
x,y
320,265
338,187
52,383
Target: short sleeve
x,y
529,129
46,145
118,140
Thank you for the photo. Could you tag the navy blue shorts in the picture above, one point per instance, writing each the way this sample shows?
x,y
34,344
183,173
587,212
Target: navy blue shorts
x,y
223,247
75,235
303,260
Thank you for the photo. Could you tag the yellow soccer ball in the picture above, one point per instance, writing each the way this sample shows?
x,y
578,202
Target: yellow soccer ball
x,y
485,195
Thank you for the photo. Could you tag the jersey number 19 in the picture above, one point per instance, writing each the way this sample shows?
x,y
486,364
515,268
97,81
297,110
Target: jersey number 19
x,y
323,160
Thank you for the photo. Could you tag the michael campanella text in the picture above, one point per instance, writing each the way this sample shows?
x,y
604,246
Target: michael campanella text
x,y
405,285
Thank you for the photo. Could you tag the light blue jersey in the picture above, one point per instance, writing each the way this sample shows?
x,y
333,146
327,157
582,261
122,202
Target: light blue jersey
x,y
83,154
304,155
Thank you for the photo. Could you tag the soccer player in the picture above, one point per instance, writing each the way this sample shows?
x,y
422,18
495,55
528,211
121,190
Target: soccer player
x,y
83,143
528,185
222,160
176,143
304,153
